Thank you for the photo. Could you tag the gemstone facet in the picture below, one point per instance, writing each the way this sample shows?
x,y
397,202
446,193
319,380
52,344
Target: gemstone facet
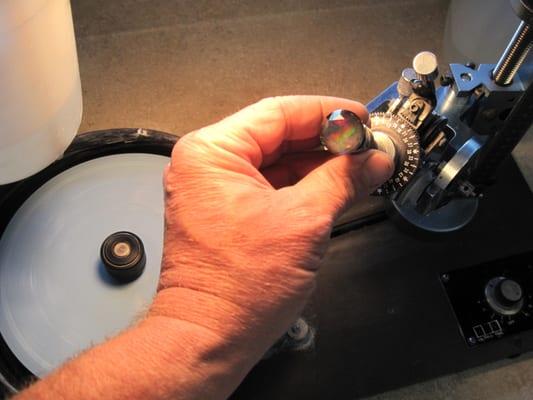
x,y
343,132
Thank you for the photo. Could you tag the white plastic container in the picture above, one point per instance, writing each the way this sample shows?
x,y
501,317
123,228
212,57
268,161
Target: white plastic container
x,y
478,30
40,91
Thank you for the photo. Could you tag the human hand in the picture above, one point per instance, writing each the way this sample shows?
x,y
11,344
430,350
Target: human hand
x,y
249,211
248,216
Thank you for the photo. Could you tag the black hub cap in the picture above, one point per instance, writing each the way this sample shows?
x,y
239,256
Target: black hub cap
x,y
123,256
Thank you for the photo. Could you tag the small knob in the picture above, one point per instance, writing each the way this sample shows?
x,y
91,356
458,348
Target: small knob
x,y
123,256
405,83
504,295
510,292
426,66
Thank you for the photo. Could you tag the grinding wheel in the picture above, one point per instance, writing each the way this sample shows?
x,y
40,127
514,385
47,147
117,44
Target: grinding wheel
x,y
57,297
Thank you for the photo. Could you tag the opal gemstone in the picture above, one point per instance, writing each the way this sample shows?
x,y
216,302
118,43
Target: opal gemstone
x,y
342,132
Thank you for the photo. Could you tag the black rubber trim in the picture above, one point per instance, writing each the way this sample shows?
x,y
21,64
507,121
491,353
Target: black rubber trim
x,y
359,223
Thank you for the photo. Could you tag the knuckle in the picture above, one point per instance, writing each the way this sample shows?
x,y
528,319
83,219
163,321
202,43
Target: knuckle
x,y
269,102
272,104
186,143
191,148
184,161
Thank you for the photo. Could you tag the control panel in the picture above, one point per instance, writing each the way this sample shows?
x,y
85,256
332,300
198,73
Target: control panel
x,y
492,300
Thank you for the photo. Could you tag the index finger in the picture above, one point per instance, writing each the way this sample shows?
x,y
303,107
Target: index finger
x,y
278,125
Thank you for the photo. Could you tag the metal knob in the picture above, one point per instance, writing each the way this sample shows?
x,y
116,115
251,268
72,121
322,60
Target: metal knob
x,y
426,66
405,83
504,295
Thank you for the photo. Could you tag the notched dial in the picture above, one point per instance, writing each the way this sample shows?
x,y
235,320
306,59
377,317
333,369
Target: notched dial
x,y
407,149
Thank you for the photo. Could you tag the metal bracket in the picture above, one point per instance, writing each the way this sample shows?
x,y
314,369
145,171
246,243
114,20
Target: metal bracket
x,y
467,79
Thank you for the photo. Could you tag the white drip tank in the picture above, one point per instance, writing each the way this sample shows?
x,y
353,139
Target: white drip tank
x,y
40,91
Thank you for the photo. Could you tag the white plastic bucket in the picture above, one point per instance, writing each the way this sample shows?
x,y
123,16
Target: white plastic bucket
x,y
40,91
478,30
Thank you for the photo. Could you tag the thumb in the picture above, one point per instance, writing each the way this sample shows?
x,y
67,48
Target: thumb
x,y
335,185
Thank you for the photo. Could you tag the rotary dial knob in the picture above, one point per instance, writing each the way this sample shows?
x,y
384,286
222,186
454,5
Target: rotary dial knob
x,y
387,128
504,295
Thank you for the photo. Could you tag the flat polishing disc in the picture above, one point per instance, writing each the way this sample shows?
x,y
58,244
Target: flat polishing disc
x,y
56,297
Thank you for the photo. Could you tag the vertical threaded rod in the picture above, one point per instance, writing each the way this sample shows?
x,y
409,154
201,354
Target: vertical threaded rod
x,y
514,55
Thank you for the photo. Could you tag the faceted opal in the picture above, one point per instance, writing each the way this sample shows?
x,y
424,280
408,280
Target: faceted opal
x,y
342,132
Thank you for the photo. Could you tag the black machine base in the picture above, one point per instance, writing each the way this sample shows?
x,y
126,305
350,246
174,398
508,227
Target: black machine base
x,y
382,315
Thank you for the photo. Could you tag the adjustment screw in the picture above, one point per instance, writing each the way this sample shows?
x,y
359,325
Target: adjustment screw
x,y
299,330
404,86
299,337
445,278
414,108
446,80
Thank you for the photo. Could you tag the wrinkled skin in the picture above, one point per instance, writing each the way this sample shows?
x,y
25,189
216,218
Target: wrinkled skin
x,y
249,213
249,210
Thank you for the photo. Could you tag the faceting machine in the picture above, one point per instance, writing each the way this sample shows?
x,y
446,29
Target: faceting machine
x,y
433,274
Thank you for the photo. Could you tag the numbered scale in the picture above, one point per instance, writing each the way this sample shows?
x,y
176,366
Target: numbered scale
x,y
406,142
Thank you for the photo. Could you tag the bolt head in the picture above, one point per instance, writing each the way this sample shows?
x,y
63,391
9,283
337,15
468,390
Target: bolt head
x,y
299,330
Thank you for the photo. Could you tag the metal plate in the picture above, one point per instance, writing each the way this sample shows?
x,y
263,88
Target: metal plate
x,y
477,318
55,297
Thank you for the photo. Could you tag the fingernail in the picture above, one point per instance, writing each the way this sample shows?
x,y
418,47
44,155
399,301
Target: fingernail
x,y
377,168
